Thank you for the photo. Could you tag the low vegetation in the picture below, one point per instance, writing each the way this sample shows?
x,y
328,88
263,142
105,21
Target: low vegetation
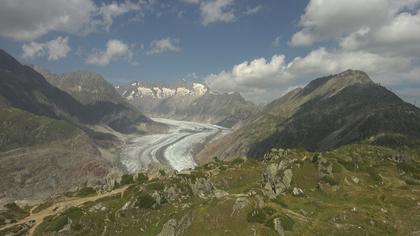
x,y
353,190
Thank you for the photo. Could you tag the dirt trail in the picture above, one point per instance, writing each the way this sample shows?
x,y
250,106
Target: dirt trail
x,y
58,207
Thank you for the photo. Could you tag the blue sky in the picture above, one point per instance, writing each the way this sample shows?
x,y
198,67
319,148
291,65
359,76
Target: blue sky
x,y
259,48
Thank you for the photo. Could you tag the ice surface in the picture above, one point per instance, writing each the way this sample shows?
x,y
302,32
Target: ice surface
x,y
176,147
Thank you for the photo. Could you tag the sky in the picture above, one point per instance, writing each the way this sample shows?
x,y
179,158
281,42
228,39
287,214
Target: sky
x,y
260,48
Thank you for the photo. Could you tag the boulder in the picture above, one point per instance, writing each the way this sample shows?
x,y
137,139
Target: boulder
x,y
175,227
278,227
277,178
240,204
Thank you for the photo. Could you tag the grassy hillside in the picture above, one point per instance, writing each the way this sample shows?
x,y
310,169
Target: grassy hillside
x,y
19,129
353,190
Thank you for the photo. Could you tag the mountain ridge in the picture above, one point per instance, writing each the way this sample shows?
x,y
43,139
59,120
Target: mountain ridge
x,y
327,113
188,101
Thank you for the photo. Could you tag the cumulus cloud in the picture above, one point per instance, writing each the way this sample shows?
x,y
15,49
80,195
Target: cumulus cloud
x,y
253,11
115,49
55,49
110,11
217,11
360,24
28,20
213,11
262,80
164,45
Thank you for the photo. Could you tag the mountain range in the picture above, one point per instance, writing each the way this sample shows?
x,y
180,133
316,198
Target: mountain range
x,y
188,101
338,156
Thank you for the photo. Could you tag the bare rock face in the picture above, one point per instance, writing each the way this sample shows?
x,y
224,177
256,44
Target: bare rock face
x,y
240,204
175,227
156,171
277,178
201,187
278,227
325,168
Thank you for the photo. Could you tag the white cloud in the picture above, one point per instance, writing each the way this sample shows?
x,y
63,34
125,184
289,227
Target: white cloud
x,y
28,20
213,11
164,45
55,49
217,11
253,11
115,49
264,80
276,42
359,23
110,11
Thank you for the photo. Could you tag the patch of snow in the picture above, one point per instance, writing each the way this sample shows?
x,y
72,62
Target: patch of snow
x,y
181,91
145,92
199,89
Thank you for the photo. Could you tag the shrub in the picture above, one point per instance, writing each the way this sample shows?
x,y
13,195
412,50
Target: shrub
x,y
330,180
57,224
142,178
158,186
145,201
126,179
86,191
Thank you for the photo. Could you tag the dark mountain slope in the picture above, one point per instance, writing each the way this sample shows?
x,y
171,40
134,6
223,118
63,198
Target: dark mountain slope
x,y
327,113
100,98
24,88
354,114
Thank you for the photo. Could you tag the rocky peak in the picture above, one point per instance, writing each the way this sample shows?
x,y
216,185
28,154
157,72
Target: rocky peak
x,y
331,85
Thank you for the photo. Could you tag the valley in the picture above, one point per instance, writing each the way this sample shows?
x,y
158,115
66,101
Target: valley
x,y
175,148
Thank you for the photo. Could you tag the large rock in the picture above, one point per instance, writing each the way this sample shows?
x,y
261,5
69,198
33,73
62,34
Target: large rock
x,y
201,187
175,227
278,227
277,178
325,168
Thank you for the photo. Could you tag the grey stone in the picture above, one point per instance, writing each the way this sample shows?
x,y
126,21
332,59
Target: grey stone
x,y
278,227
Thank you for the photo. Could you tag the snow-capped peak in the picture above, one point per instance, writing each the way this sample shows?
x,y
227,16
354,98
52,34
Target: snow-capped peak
x,y
139,90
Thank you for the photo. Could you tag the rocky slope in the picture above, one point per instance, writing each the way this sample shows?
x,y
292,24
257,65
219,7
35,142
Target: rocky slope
x,y
193,102
327,113
47,141
353,190
98,96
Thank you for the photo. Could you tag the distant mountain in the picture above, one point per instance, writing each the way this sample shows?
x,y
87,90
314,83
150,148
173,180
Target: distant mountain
x,y
188,101
329,112
98,96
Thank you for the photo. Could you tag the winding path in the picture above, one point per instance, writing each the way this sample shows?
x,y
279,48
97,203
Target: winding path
x,y
176,148
58,207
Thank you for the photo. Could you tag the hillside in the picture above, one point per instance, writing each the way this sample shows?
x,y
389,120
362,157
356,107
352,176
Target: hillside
x,y
98,96
329,112
50,141
353,190
41,156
